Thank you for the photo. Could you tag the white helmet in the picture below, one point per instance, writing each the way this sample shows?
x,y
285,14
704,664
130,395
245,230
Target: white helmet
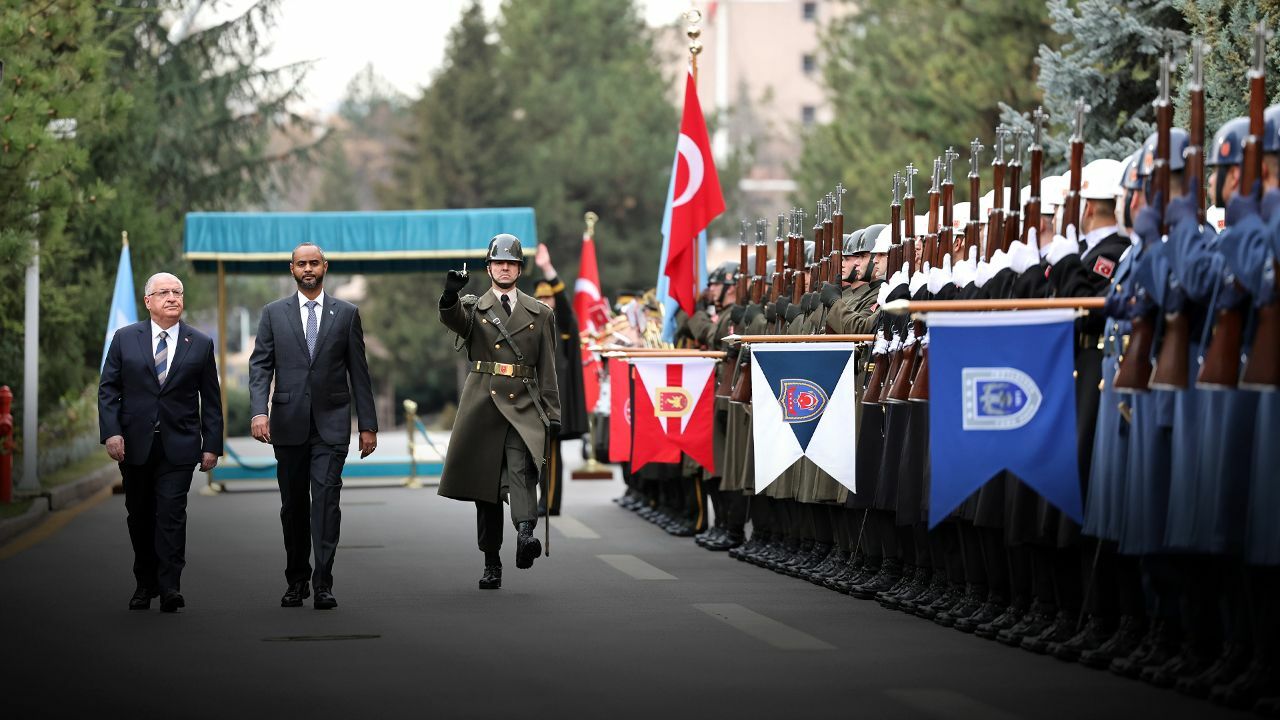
x,y
959,215
1053,191
1100,180
882,240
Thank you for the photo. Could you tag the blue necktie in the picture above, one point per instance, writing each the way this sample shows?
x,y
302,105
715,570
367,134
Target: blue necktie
x,y
313,325
162,357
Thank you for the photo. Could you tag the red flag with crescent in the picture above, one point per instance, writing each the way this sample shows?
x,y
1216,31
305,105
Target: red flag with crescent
x,y
696,199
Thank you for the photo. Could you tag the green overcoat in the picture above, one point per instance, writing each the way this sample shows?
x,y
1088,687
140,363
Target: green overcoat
x,y
490,403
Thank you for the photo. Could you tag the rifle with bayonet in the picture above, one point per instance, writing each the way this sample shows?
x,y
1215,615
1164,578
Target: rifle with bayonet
x,y
1071,205
935,249
1031,212
1013,216
880,364
947,230
1134,373
1172,370
995,217
971,231
1222,358
837,250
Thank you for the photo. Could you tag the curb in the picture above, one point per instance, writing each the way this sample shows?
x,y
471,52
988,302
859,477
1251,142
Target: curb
x,y
15,526
72,493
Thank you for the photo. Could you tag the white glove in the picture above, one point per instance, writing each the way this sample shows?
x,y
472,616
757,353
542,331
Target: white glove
x,y
1022,257
881,346
883,296
940,276
984,273
899,278
919,280
924,341
1062,246
999,261
964,272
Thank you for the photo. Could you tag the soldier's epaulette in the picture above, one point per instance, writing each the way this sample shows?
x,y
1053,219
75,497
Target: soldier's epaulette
x,y
469,298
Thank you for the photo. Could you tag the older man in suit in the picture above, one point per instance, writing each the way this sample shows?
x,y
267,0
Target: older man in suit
x,y
160,413
311,344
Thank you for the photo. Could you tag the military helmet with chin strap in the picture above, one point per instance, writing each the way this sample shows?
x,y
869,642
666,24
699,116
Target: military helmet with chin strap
x,y
504,246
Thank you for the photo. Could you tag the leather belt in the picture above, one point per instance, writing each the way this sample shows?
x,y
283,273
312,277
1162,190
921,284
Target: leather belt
x,y
504,369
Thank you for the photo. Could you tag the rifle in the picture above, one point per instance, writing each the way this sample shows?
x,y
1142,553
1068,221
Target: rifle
x,y
975,193
744,271
762,257
933,253
1031,212
1134,373
874,391
930,247
837,219
909,212
1171,369
822,255
779,263
1012,227
1221,365
947,231
1071,205
995,217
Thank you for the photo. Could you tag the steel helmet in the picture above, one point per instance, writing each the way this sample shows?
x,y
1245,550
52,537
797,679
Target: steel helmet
x,y
504,246
883,235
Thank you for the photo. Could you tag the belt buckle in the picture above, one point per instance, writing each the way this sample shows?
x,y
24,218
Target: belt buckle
x,y
504,369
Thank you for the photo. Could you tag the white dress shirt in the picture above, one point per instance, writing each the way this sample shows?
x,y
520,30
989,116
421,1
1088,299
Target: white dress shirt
x,y
511,297
170,336
302,312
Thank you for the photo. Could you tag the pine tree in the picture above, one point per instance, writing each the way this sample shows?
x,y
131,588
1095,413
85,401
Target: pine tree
x,y
907,80
1109,57
1227,28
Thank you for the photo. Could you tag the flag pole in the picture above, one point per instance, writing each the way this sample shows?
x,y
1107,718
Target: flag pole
x,y
694,31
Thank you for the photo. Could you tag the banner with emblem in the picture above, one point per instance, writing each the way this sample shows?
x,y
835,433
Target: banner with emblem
x,y
1002,397
619,411
803,397
673,405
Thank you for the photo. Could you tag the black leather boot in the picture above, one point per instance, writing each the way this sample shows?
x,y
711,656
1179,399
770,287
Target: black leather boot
x,y
528,547
1229,665
1091,637
492,578
1127,637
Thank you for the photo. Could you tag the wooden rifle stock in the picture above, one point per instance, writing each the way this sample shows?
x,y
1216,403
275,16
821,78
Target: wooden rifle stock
x,y
1221,366
1031,212
995,218
1172,369
971,231
1012,229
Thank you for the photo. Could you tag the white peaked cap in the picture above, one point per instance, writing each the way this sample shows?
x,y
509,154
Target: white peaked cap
x,y
959,215
989,201
1100,180
1053,191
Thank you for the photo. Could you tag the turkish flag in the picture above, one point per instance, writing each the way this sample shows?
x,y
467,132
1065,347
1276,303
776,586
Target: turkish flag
x,y
674,404
592,311
619,411
695,199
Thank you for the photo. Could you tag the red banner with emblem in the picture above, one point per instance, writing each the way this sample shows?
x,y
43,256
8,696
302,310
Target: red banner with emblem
x,y
674,406
619,411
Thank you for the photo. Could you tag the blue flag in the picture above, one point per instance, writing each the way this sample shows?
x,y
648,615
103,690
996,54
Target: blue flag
x,y
124,308
803,397
1002,397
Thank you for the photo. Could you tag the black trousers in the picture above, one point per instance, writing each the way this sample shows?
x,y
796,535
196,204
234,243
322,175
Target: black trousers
x,y
310,479
155,496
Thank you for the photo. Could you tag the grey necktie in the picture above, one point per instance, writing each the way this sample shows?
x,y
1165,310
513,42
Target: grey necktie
x,y
313,324
162,357
506,304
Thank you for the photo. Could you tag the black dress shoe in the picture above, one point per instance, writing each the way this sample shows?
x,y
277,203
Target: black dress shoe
x,y
171,600
296,593
141,599
528,547
492,578
325,599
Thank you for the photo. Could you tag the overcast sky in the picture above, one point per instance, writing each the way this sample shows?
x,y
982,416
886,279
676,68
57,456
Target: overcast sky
x,y
403,39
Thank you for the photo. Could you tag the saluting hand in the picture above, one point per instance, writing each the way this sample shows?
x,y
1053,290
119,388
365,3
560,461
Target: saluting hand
x,y
455,280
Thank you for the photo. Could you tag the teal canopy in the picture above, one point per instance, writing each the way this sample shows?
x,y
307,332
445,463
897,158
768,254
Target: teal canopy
x,y
353,242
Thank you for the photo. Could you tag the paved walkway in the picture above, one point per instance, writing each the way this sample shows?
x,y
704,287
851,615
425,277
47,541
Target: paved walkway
x,y
622,621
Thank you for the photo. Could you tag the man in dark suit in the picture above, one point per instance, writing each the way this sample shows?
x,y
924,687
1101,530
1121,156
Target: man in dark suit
x,y
160,413
310,344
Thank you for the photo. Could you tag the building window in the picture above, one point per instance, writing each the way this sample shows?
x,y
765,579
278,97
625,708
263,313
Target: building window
x,y
809,10
808,115
808,63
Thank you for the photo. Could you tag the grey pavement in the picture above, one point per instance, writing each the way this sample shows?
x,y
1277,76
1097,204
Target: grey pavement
x,y
622,621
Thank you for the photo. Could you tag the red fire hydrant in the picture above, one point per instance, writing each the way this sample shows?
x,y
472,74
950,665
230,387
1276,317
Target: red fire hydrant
x,y
6,445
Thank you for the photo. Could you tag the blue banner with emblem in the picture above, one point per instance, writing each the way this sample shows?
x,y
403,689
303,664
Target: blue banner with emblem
x,y
1002,397
803,397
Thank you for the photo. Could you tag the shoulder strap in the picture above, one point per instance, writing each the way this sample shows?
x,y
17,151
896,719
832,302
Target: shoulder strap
x,y
496,322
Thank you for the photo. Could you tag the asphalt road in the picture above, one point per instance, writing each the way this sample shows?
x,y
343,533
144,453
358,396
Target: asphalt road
x,y
622,621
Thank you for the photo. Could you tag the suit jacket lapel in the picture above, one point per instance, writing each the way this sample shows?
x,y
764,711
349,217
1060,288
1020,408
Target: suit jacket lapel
x,y
178,349
294,318
144,344
329,314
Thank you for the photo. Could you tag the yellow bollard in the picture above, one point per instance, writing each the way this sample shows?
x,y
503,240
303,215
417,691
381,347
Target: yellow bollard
x,y
411,423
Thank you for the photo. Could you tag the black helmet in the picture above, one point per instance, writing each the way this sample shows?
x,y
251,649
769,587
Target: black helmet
x,y
504,246
853,243
725,272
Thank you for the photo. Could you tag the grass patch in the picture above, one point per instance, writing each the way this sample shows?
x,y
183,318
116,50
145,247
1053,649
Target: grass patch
x,y
15,508
76,470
